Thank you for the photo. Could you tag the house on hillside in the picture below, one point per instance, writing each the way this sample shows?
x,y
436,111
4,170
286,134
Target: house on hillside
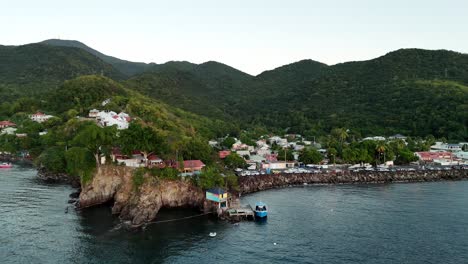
x,y
7,123
93,113
224,153
191,167
40,117
110,118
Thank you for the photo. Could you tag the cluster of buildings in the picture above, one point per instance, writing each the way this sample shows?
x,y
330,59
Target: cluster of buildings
x,y
110,118
262,157
137,160
445,154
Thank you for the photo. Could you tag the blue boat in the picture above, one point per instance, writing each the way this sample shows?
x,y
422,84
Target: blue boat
x,y
260,210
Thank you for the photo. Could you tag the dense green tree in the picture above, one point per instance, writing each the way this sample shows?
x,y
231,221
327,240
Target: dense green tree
x,y
53,159
228,142
96,139
234,161
285,153
209,178
142,138
80,162
310,156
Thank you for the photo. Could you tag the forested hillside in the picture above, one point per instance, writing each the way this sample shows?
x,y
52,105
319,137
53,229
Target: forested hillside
x,y
35,68
411,91
128,68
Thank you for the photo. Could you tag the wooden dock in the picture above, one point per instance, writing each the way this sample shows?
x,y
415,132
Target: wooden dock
x,y
240,213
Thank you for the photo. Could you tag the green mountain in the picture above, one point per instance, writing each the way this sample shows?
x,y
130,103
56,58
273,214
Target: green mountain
x,y
126,67
410,91
207,89
35,68
415,92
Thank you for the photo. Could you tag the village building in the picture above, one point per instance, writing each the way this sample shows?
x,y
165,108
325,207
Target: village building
x,y
7,123
9,131
40,117
110,118
223,154
218,196
278,165
463,155
243,153
191,167
434,157
397,136
213,143
93,113
441,146
376,138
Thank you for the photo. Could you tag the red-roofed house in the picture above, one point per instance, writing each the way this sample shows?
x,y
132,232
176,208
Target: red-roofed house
x,y
224,153
192,166
153,159
7,123
432,156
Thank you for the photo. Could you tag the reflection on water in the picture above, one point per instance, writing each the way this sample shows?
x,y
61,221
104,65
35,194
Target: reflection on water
x,y
388,223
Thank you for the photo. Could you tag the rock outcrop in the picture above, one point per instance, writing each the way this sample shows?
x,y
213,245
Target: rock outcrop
x,y
137,205
249,184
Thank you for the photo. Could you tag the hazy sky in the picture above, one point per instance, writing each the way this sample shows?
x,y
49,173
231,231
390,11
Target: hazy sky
x,y
252,36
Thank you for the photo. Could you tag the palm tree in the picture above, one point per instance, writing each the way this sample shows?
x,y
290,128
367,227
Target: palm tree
x,y
380,148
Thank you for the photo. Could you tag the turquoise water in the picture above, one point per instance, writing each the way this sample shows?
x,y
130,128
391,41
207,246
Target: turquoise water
x,y
392,223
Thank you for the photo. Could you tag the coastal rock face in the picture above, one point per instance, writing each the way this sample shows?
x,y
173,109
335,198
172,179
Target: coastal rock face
x,y
249,184
138,205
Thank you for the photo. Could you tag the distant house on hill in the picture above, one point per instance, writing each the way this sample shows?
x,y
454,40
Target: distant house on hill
x,y
7,123
40,117
110,118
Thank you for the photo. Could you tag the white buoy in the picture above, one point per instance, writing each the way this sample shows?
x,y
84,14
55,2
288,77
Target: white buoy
x,y
274,243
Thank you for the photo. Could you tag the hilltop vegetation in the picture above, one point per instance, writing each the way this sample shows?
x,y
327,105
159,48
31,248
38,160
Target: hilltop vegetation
x,y
128,68
411,91
34,69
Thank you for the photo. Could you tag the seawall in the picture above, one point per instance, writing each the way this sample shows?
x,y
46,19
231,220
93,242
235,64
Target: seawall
x,y
249,184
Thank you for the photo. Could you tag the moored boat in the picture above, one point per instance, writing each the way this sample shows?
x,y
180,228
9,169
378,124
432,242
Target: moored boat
x,y
261,210
6,165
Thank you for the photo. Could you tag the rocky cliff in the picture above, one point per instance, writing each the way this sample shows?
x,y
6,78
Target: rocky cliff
x,y
137,205
249,184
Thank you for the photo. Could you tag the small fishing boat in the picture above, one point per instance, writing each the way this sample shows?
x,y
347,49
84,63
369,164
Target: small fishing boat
x,y
261,210
212,234
6,165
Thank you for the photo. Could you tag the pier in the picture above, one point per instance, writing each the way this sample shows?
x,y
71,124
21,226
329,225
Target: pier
x,y
241,213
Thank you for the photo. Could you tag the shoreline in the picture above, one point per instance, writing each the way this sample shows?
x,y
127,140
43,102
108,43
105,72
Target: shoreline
x,y
252,184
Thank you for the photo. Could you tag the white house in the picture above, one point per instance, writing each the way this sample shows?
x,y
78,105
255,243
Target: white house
x,y
40,117
110,118
93,113
440,146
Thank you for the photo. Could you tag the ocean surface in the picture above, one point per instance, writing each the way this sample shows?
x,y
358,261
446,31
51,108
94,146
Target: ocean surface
x,y
388,223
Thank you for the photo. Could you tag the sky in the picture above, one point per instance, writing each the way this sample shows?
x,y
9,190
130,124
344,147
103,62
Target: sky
x,y
252,36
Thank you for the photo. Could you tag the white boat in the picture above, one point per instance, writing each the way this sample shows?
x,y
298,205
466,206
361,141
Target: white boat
x,y
212,234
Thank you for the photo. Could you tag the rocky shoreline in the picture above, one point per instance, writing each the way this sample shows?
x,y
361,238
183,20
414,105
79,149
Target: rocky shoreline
x,y
250,184
138,205
52,177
